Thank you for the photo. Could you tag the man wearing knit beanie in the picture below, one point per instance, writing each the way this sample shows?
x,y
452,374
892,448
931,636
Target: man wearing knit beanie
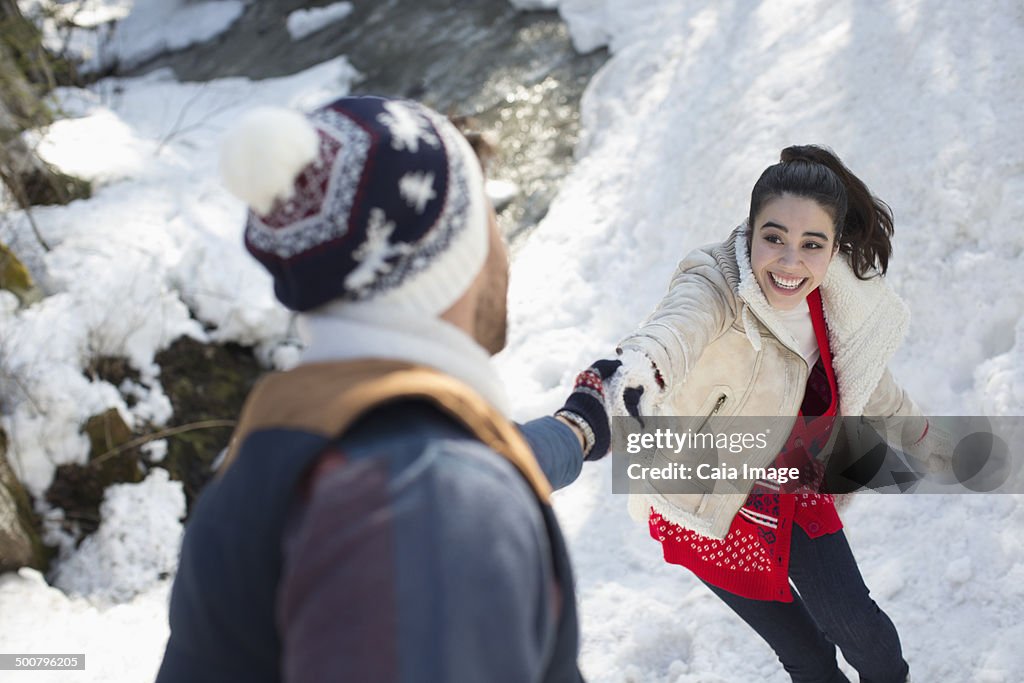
x,y
377,517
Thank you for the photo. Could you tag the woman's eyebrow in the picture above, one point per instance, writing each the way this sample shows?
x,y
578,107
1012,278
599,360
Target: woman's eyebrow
x,y
783,228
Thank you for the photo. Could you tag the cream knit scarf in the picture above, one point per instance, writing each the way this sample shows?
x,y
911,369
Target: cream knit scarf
x,y
352,331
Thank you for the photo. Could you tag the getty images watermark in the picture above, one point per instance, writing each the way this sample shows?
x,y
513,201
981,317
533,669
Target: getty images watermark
x,y
690,455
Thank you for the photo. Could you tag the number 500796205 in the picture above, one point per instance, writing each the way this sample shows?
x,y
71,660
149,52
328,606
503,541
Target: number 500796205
x,y
41,662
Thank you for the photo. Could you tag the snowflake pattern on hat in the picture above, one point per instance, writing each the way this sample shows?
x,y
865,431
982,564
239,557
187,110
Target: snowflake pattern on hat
x,y
407,127
452,221
376,253
417,189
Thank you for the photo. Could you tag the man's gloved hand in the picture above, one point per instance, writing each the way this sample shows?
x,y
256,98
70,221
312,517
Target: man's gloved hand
x,y
587,408
638,388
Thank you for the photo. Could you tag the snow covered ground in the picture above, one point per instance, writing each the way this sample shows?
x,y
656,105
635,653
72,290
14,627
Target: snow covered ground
x,y
923,99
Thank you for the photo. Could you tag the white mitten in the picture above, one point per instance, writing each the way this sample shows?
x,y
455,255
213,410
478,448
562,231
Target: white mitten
x,y
638,388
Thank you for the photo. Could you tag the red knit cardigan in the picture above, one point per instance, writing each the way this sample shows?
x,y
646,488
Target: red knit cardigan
x,y
753,560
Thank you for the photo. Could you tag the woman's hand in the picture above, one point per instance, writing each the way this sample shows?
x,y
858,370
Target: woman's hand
x,y
638,388
932,449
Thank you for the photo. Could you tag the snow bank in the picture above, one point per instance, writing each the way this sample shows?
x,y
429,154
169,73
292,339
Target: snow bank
x,y
921,100
128,32
121,643
306,22
593,23
136,545
154,255
156,26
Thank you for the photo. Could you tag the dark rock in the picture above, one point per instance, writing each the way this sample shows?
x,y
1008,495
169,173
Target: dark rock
x,y
205,383
78,489
112,369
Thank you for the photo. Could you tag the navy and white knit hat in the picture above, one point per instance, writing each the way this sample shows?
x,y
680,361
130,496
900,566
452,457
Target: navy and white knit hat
x,y
364,200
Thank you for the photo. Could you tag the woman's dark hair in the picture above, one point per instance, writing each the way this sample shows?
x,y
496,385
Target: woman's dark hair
x,y
863,223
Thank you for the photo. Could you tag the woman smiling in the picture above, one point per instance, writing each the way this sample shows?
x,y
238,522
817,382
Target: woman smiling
x,y
791,317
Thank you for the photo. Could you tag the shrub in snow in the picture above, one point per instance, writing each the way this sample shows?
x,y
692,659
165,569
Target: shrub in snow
x,y
136,545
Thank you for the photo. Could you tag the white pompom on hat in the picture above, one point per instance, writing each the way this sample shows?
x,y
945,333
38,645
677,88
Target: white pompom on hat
x,y
264,153
366,200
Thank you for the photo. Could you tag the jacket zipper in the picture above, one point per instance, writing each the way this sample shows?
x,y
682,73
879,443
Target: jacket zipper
x,y
718,406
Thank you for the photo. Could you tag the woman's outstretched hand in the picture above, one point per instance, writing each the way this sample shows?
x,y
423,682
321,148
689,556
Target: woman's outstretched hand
x,y
638,388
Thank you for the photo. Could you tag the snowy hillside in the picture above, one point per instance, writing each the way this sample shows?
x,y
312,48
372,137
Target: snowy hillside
x,y
922,99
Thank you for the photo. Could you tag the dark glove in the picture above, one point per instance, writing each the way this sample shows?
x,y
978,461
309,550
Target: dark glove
x,y
586,408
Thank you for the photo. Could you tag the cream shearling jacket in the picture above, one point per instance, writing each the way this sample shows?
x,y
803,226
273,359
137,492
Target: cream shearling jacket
x,y
723,353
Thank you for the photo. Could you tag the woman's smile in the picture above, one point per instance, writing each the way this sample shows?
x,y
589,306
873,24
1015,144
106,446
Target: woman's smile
x,y
786,285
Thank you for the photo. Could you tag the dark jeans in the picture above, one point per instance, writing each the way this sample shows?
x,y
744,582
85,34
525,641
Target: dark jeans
x,y
833,608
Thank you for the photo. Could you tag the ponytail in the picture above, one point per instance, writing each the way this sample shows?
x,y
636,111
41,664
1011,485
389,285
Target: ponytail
x,y
863,223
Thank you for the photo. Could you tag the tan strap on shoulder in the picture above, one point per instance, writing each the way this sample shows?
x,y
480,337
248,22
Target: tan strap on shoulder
x,y
326,398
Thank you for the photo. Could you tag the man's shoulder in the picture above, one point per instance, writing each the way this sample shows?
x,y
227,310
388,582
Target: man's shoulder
x,y
413,445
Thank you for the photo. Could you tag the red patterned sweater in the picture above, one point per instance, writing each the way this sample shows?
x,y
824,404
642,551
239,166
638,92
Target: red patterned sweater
x,y
753,560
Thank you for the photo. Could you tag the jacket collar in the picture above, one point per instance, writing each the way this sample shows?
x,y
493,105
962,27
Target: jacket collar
x,y
866,320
